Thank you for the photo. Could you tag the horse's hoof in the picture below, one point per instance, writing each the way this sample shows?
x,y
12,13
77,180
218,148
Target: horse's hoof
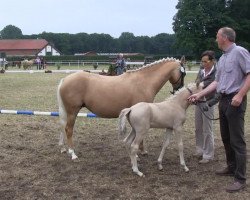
x,y
140,174
186,170
144,153
160,167
74,157
75,160
63,150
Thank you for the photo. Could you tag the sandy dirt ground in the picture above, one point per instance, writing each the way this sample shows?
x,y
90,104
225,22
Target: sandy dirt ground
x,y
32,166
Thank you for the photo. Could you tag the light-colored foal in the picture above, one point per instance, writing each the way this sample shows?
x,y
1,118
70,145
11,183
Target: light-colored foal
x,y
169,114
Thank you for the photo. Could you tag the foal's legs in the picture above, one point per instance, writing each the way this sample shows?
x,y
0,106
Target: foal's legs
x,y
178,132
129,139
142,149
134,151
165,144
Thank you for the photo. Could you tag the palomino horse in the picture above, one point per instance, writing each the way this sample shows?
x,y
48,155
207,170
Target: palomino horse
x,y
169,114
27,64
106,96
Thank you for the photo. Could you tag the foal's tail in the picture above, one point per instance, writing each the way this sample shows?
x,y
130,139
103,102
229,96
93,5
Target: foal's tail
x,y
122,121
62,112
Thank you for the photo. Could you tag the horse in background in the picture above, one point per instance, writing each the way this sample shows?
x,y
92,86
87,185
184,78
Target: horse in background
x,y
27,64
106,96
169,114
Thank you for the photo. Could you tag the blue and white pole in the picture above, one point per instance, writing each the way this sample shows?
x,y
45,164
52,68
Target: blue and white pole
x,y
54,114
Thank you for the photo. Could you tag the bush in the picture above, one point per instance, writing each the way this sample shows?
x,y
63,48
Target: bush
x,y
95,65
58,66
2,71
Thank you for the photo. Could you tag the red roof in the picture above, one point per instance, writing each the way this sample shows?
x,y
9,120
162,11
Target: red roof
x,y
25,44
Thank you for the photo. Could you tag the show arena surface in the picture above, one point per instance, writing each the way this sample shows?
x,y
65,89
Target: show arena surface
x,y
32,166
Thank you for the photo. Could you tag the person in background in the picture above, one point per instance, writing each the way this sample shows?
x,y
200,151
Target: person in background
x,y
43,63
38,63
120,64
203,119
232,81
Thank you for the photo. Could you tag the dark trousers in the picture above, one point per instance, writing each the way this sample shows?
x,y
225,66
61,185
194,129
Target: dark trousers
x,y
232,134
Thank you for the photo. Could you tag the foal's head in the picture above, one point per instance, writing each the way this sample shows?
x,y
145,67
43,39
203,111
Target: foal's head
x,y
195,87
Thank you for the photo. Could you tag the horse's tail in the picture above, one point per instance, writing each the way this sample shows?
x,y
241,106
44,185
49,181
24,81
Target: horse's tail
x,y
122,121
62,112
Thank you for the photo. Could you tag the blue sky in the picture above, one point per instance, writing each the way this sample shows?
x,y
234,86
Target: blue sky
x,y
140,17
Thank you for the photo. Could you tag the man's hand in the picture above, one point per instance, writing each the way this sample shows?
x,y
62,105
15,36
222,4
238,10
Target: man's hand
x,y
194,98
236,100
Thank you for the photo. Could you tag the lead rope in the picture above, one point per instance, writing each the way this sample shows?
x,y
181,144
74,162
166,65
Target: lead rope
x,y
203,111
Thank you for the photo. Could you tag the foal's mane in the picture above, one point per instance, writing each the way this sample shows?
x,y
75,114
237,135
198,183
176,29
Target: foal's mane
x,y
154,63
190,85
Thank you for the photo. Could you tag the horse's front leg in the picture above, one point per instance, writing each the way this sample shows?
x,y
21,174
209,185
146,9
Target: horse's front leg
x,y
178,132
165,144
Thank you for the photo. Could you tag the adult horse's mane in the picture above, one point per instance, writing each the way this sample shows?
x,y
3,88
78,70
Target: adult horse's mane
x,y
153,63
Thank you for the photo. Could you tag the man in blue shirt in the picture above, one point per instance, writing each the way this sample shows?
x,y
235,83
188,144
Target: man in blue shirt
x,y
232,81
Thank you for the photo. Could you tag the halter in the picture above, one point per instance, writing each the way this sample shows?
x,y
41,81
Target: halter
x,y
190,91
204,109
180,79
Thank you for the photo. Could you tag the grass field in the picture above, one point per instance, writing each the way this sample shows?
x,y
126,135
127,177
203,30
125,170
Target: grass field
x,y
32,167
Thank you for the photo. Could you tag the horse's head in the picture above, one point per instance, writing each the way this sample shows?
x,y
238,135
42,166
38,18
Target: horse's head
x,y
177,77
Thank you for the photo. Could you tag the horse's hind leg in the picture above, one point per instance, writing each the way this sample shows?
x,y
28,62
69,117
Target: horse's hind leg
x,y
130,138
142,148
134,151
165,144
63,122
178,132
61,141
69,132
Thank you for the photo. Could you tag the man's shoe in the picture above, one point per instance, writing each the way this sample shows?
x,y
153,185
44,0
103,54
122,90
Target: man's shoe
x,y
235,187
224,172
204,161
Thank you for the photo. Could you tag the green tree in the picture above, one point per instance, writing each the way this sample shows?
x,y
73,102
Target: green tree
x,y
197,21
142,44
162,44
239,10
100,42
190,25
11,32
126,42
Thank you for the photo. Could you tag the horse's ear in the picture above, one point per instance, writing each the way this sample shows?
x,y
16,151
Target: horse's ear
x,y
183,60
199,83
